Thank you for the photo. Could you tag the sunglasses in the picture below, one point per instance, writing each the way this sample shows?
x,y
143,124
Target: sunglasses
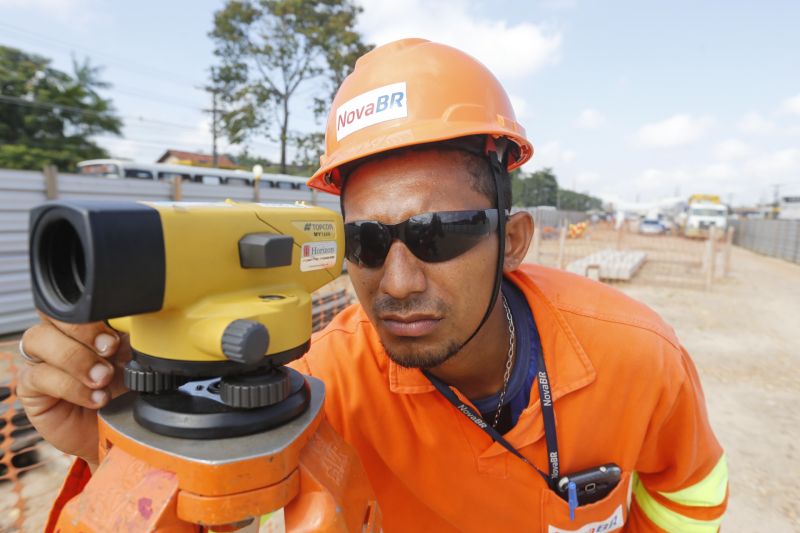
x,y
431,237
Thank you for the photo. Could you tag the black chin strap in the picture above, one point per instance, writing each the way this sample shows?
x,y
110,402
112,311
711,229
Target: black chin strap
x,y
498,170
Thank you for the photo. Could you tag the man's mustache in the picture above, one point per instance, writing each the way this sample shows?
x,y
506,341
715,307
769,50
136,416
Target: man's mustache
x,y
413,304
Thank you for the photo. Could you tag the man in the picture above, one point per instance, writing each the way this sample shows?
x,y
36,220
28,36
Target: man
x,y
470,386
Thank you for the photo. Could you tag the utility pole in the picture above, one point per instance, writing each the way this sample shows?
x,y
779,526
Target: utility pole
x,y
214,112
776,197
214,129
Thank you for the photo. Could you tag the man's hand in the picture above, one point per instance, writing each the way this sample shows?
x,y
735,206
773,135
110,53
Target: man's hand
x,y
80,371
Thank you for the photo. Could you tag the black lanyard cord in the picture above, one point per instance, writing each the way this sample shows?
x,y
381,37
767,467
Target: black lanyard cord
x,y
548,417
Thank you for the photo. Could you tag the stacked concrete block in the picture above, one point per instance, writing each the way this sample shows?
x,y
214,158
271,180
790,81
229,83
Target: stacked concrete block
x,y
612,265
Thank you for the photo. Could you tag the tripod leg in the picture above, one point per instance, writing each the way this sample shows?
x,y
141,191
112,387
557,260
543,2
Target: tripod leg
x,y
125,494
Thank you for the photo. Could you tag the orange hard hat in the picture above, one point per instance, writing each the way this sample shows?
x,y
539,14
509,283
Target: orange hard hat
x,y
411,92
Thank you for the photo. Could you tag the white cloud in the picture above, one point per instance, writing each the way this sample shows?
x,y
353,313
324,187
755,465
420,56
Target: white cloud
x,y
658,180
590,119
559,5
44,5
550,154
791,105
732,149
519,104
587,178
754,122
743,180
677,130
717,172
77,13
719,178
777,165
510,50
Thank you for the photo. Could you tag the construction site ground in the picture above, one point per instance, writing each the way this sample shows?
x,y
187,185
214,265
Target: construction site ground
x,y
743,335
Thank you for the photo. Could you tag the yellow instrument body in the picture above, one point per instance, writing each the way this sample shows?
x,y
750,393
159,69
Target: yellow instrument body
x,y
207,287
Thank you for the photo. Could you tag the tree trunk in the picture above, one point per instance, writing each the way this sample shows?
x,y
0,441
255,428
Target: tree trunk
x,y
284,130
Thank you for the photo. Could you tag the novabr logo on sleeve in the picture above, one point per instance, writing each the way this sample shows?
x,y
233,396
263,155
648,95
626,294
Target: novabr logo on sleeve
x,y
372,107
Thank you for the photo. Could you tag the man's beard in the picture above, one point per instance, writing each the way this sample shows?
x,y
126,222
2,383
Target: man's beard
x,y
416,356
423,359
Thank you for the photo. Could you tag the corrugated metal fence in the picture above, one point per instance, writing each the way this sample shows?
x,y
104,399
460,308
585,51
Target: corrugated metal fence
x,y
547,216
21,190
777,238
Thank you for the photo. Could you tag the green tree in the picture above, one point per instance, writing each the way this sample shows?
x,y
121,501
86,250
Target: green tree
x,y
48,116
539,188
268,49
308,149
246,160
575,201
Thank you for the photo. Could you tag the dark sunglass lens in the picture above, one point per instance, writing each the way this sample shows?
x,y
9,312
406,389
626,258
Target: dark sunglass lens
x,y
352,242
367,243
442,236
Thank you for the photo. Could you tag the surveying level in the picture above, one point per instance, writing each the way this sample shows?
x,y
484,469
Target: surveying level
x,y
216,298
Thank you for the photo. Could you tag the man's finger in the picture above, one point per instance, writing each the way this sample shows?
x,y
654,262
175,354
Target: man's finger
x,y
96,335
48,343
46,380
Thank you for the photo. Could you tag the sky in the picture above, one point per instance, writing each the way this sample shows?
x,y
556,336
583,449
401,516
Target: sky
x,y
633,100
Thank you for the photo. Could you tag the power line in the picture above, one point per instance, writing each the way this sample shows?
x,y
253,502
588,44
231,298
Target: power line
x,y
136,93
159,123
49,105
144,96
163,75
53,105
145,123
172,142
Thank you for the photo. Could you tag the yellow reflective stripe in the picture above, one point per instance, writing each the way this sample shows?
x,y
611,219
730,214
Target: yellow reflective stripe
x,y
709,492
667,519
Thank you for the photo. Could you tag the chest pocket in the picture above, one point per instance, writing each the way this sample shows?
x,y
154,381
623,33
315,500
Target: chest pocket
x,y
608,514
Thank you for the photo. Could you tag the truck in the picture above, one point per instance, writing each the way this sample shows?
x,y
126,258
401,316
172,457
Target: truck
x,y
789,204
702,212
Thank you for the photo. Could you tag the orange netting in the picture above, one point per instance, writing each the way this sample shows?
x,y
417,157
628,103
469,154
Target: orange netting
x,y
30,469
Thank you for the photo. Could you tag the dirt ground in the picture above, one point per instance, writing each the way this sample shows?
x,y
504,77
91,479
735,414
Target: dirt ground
x,y
742,335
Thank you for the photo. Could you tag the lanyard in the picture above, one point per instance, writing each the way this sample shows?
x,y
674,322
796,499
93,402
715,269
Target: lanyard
x,y
548,416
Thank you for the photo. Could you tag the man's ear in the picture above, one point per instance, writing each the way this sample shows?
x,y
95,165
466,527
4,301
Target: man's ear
x,y
519,232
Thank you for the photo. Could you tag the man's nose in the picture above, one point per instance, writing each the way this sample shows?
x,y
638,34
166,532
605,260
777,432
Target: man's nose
x,y
403,274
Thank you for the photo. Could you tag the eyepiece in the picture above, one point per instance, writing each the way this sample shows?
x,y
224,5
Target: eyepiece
x,y
63,263
94,260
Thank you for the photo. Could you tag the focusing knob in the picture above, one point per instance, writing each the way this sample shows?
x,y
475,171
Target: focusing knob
x,y
255,390
140,379
245,341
